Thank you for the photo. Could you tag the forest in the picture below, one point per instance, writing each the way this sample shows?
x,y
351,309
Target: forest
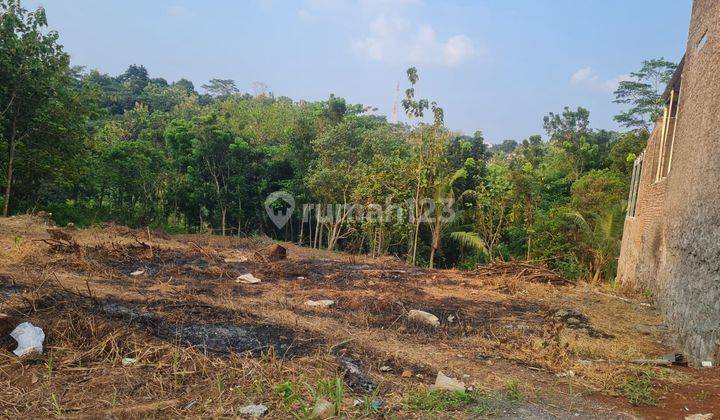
x,y
139,150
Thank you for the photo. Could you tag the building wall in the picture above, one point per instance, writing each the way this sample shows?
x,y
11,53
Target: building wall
x,y
690,277
641,230
672,247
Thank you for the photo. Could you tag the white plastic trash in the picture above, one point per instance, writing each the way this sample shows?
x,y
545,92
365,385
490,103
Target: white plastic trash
x,y
248,279
29,338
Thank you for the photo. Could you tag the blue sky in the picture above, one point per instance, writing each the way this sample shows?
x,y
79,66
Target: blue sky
x,y
496,65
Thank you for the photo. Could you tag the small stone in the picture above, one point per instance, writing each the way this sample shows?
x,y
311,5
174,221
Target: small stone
x,y
301,278
446,383
137,272
572,321
423,317
706,364
324,303
385,368
323,410
129,361
247,279
253,410
407,373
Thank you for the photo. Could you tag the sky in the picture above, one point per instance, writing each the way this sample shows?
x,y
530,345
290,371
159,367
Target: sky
x,y
497,66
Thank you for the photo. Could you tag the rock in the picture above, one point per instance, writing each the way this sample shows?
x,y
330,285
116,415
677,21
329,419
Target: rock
x,y
323,409
276,253
706,364
29,338
253,410
707,416
129,361
446,383
324,303
247,279
70,225
407,373
137,272
423,317
385,368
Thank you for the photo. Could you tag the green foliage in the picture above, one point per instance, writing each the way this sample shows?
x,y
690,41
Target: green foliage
x,y
437,401
642,93
639,388
142,151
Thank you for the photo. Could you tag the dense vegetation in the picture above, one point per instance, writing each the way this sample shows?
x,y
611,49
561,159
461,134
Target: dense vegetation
x,y
141,151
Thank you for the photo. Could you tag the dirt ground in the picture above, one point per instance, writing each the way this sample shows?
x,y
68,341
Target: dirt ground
x,y
142,324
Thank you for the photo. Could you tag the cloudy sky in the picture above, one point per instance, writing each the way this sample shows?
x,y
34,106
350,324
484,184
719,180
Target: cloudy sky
x,y
494,65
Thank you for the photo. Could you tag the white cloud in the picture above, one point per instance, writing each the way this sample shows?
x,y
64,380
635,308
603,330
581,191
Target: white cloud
x,y
396,39
587,78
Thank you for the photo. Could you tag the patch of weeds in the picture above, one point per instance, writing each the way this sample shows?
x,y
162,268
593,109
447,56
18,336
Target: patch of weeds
x,y
439,400
477,403
333,390
638,388
512,392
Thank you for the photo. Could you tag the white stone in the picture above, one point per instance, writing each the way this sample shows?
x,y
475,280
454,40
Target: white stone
x,y
446,383
423,317
129,361
29,338
137,272
253,410
707,416
324,303
706,363
248,279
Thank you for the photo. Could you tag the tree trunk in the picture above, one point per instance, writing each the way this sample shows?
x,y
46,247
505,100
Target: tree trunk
x,y
224,215
11,157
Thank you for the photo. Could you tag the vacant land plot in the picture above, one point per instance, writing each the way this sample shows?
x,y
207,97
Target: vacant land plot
x,y
140,324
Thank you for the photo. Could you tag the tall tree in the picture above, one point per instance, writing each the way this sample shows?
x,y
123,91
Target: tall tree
x,y
34,74
642,94
221,87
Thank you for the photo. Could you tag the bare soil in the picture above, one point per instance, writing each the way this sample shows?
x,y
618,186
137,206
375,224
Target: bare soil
x,y
204,344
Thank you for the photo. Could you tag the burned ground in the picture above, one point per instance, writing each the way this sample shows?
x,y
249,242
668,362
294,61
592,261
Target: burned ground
x,y
205,344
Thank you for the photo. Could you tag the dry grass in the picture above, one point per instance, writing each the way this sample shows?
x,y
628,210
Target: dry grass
x,y
497,327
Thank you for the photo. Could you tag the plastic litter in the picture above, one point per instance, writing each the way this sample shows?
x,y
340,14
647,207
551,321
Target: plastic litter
x,y
248,279
446,383
29,338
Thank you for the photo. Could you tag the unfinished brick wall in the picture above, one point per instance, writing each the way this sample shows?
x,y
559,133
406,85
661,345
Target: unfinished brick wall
x,y
672,247
640,230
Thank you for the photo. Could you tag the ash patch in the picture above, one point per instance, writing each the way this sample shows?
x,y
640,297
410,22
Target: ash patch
x,y
355,378
576,320
213,337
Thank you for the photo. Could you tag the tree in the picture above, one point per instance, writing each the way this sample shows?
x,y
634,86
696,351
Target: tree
x,y
570,131
642,94
221,87
34,76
